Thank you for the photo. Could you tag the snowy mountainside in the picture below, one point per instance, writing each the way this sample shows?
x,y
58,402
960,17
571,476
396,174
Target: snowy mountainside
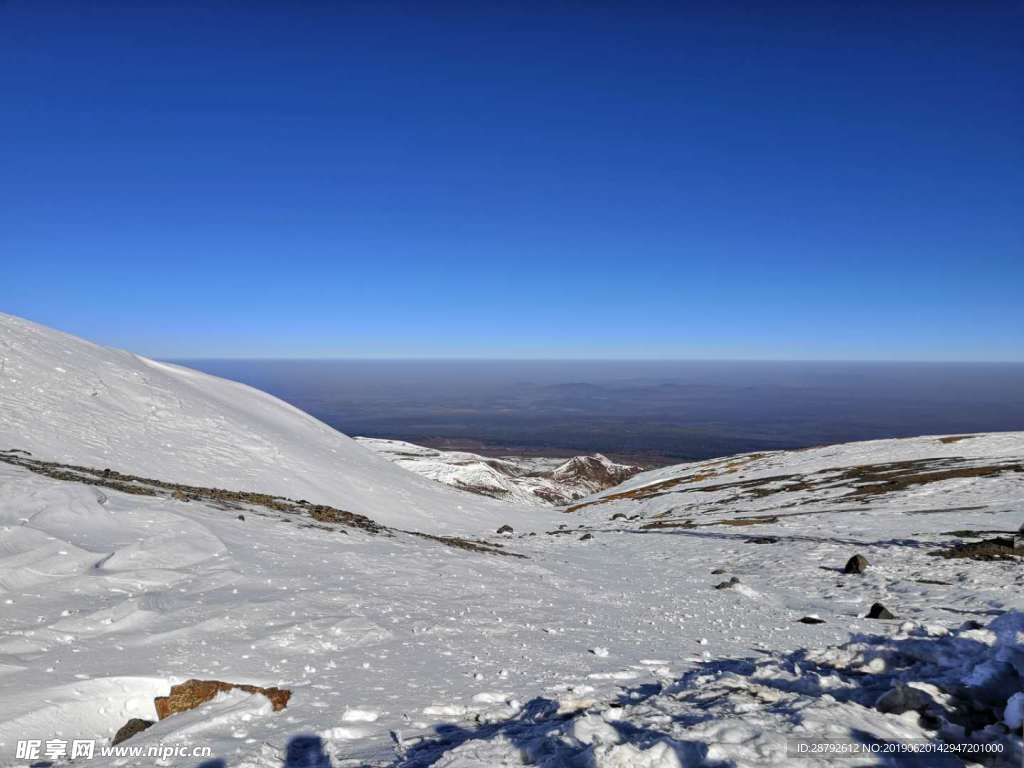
x,y
696,615
65,399
526,480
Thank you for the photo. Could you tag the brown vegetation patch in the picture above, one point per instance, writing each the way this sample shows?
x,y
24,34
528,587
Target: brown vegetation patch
x,y
228,500
998,548
710,471
471,545
217,497
743,521
956,438
859,482
667,524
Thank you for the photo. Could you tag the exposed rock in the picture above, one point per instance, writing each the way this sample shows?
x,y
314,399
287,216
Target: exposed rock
x,y
242,518
879,611
619,516
903,698
506,529
129,729
180,495
586,536
193,693
595,472
763,540
728,584
811,620
856,564
718,571
1018,540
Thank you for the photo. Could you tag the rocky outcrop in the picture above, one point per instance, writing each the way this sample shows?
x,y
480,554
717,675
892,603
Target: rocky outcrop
x,y
193,693
129,729
594,473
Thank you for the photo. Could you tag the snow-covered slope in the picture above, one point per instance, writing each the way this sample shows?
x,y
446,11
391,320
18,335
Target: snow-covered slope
x,y
66,399
526,480
698,615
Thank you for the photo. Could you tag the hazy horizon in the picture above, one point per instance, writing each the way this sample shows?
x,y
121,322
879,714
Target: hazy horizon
x,y
658,409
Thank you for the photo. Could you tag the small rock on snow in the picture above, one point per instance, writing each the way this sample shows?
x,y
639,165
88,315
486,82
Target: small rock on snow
x,y
129,729
879,611
856,564
903,698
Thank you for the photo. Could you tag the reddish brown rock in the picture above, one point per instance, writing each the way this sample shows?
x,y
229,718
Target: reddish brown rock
x,y
193,693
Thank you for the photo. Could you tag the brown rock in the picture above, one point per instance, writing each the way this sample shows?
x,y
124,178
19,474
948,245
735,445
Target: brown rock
x,y
856,564
193,693
129,729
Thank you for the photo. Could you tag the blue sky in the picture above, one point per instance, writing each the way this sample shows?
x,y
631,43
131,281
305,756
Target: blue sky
x,y
808,180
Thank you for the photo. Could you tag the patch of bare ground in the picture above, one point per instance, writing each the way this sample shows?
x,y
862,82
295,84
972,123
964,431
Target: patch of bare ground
x,y
955,438
998,548
860,482
471,545
667,524
743,521
711,470
219,498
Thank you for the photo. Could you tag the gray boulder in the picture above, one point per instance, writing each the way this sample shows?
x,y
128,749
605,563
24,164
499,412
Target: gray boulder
x,y
902,699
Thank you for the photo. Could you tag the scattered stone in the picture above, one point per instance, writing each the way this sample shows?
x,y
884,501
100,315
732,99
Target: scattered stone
x,y
506,529
718,571
811,620
763,540
619,516
856,564
129,729
728,584
193,693
242,518
879,611
903,698
586,536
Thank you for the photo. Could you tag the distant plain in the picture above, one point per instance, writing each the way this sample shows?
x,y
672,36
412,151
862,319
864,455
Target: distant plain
x,y
655,412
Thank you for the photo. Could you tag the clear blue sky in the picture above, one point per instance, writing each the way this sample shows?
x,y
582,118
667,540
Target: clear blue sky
x,y
553,179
